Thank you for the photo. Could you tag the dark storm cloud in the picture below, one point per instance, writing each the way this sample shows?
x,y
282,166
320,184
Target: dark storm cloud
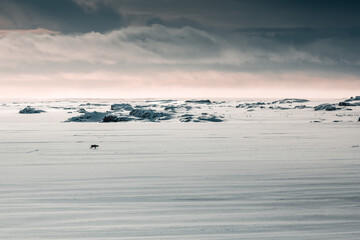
x,y
200,40
238,14
214,15
60,15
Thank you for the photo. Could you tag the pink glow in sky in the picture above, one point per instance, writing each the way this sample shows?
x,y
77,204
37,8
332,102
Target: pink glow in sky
x,y
159,61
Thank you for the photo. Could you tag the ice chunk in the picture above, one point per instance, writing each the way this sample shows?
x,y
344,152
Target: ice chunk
x,y
207,101
121,106
82,110
325,106
88,117
170,108
149,114
115,118
186,118
357,98
93,104
346,103
210,118
30,110
291,100
301,107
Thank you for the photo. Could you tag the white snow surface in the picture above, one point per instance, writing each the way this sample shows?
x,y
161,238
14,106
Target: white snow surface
x,y
272,173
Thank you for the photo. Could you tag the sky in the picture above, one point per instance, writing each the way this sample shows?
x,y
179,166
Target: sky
x,y
179,49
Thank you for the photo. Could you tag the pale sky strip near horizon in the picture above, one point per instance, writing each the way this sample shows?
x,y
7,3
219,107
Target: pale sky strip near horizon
x,y
168,48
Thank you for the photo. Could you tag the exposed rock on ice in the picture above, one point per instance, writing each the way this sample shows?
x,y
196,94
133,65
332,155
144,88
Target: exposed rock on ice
x,y
241,105
291,100
346,103
81,110
162,101
210,118
187,108
30,110
116,118
121,106
357,98
279,108
186,118
170,108
251,105
88,117
93,104
218,102
149,114
301,107
325,106
146,106
207,101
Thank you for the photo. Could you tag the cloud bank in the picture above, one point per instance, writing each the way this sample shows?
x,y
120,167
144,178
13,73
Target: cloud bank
x,y
114,47
161,57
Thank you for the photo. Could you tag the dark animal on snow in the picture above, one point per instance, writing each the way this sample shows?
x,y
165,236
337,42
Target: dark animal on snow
x,y
94,146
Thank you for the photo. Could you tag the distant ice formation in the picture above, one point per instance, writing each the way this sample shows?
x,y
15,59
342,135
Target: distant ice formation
x,y
203,110
121,106
291,100
149,114
207,101
326,106
210,118
88,117
30,110
116,118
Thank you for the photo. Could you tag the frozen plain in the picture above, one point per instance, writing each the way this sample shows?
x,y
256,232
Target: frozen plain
x,y
262,174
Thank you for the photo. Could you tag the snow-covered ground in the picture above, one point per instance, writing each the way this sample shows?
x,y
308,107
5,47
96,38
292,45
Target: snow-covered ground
x,y
240,169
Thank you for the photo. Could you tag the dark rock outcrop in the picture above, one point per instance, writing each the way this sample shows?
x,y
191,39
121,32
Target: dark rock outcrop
x,y
30,110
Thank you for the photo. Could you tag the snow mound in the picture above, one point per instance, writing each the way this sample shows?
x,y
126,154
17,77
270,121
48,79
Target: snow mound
x,y
149,114
121,106
30,110
88,117
207,101
325,106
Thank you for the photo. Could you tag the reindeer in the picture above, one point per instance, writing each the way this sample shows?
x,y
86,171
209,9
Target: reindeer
x,y
94,146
